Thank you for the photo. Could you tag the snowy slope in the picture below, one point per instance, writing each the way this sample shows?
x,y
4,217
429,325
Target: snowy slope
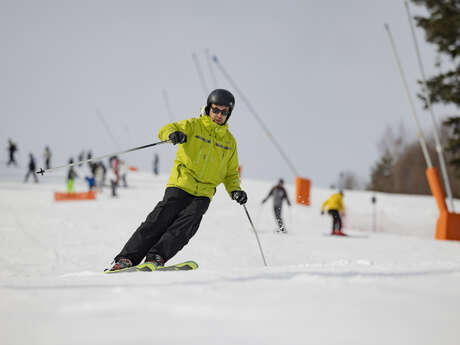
x,y
395,286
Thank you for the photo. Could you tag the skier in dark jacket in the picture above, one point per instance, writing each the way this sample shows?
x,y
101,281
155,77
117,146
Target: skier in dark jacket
x,y
279,194
12,148
31,169
205,158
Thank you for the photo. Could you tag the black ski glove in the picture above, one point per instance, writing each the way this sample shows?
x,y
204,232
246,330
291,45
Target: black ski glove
x,y
240,196
178,137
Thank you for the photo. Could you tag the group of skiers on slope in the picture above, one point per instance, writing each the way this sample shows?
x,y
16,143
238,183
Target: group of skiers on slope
x,y
31,166
206,157
334,206
96,174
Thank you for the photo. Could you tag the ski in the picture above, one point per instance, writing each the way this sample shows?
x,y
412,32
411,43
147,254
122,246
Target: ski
x,y
150,267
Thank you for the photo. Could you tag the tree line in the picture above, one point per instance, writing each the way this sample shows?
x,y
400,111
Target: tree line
x,y
401,165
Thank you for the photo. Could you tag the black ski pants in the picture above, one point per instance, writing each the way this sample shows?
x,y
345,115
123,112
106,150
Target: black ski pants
x,y
336,220
30,172
168,228
279,219
12,160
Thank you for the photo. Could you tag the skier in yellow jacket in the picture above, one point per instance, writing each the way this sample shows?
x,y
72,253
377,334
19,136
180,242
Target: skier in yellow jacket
x,y
206,157
334,206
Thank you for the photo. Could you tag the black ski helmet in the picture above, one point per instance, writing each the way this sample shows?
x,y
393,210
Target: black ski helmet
x,y
220,97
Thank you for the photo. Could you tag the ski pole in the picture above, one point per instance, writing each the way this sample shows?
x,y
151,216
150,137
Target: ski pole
x,y
41,171
257,236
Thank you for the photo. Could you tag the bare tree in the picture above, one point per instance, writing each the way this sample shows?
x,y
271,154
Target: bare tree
x,y
351,180
402,167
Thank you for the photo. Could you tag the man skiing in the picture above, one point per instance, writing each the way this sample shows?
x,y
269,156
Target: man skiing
x,y
206,157
334,206
279,194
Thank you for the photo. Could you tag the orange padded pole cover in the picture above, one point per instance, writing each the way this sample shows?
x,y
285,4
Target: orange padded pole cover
x,y
91,195
302,190
436,189
448,227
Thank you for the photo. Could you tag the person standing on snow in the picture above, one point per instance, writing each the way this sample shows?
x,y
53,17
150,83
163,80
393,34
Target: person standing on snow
x,y
334,206
31,169
123,172
113,175
89,176
156,162
206,157
12,148
279,194
80,157
99,176
47,156
71,175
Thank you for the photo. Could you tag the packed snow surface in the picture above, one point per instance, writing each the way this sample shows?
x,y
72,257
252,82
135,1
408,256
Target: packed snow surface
x,y
393,284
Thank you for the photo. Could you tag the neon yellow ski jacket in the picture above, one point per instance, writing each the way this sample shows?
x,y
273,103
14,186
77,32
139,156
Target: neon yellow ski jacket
x,y
335,202
208,158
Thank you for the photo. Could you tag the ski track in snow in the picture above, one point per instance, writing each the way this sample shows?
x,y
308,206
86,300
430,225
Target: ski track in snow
x,y
394,286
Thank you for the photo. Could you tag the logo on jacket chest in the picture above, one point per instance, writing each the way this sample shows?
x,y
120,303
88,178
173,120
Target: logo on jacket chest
x,y
225,146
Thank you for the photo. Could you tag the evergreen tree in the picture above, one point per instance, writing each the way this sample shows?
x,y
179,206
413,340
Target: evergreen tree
x,y
442,28
453,144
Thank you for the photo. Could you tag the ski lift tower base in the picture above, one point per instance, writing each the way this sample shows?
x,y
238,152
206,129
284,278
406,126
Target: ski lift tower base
x,y
448,225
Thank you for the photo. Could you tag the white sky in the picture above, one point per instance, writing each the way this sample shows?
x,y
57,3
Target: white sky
x,y
320,73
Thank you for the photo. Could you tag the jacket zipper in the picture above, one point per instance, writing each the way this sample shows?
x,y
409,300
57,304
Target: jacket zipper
x,y
211,145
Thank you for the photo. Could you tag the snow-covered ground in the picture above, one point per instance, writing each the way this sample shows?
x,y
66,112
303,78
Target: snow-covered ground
x,y
393,286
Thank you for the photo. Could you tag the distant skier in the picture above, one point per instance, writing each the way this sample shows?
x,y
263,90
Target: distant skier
x,y
31,169
81,156
12,148
123,172
206,157
47,157
113,175
334,205
279,194
71,175
89,175
156,162
99,176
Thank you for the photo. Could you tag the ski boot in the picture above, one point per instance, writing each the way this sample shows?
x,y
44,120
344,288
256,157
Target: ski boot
x,y
120,264
152,263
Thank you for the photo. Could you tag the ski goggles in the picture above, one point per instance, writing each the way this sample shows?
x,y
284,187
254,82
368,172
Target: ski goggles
x,y
218,111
